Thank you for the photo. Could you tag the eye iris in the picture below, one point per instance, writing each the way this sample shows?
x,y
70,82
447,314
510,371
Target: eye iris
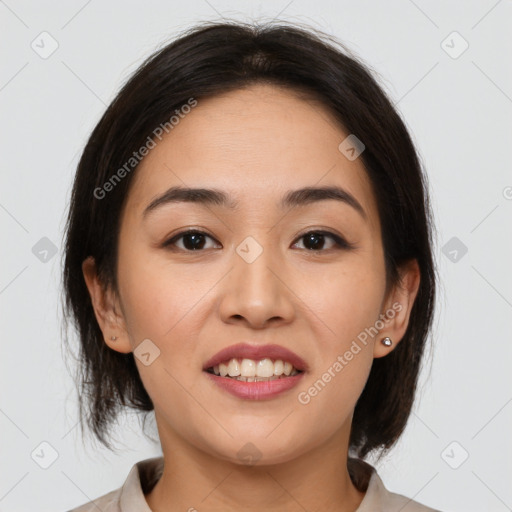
x,y
314,239
197,241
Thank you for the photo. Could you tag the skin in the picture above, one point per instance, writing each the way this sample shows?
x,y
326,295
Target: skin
x,y
255,144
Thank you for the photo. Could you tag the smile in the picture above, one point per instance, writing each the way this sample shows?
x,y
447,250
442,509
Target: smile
x,y
250,370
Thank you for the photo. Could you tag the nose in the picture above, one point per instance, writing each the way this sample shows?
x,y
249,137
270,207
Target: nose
x,y
257,293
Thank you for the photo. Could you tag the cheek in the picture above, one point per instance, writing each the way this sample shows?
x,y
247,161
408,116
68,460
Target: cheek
x,y
345,304
345,307
347,299
158,297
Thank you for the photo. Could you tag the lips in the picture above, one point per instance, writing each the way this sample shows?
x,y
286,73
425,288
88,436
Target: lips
x,y
256,353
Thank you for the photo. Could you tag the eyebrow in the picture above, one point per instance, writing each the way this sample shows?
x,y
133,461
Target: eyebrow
x,y
215,197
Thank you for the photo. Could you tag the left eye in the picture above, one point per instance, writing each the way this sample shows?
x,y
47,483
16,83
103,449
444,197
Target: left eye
x,y
316,240
194,240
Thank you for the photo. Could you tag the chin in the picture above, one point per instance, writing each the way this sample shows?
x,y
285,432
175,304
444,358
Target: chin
x,y
257,449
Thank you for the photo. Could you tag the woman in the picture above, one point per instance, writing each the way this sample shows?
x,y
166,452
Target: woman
x,y
248,254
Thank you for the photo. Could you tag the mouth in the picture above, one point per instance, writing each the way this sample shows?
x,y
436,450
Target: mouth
x,y
250,370
255,372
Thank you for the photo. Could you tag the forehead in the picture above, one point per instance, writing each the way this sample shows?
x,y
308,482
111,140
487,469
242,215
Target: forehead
x,y
256,144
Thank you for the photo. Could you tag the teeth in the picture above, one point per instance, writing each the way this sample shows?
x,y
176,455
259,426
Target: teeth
x,y
256,379
248,370
278,367
265,368
233,368
223,370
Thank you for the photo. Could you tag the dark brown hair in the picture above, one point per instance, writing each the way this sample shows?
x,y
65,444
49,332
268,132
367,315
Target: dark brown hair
x,y
214,58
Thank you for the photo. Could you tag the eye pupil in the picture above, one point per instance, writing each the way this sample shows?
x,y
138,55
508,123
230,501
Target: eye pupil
x,y
313,238
197,241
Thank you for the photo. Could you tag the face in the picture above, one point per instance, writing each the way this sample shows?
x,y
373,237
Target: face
x,y
308,276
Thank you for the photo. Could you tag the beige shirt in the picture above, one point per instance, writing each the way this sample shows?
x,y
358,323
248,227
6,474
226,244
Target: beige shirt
x,y
146,473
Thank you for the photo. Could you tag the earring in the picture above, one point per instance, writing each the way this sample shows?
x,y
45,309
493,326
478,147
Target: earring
x,y
113,338
386,341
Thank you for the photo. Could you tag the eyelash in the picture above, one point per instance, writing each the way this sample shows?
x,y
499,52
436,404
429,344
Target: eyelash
x,y
340,242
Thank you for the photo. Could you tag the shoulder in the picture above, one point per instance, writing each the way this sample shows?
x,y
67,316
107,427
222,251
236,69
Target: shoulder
x,y
109,502
130,496
394,502
377,497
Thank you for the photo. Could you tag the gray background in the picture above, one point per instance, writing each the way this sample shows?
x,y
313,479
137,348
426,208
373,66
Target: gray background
x,y
458,107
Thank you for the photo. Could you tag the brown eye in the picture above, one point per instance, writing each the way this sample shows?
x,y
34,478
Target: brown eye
x,y
193,240
315,241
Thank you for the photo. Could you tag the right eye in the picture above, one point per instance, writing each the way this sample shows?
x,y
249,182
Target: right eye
x,y
193,240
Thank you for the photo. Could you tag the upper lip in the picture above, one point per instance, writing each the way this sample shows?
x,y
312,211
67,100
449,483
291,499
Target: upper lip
x,y
256,352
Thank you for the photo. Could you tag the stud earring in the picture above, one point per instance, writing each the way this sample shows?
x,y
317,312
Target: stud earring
x,y
113,338
386,341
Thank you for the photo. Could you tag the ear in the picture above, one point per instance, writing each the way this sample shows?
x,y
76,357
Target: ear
x,y
106,307
397,308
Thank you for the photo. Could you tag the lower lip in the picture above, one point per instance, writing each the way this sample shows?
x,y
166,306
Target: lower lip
x,y
255,390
